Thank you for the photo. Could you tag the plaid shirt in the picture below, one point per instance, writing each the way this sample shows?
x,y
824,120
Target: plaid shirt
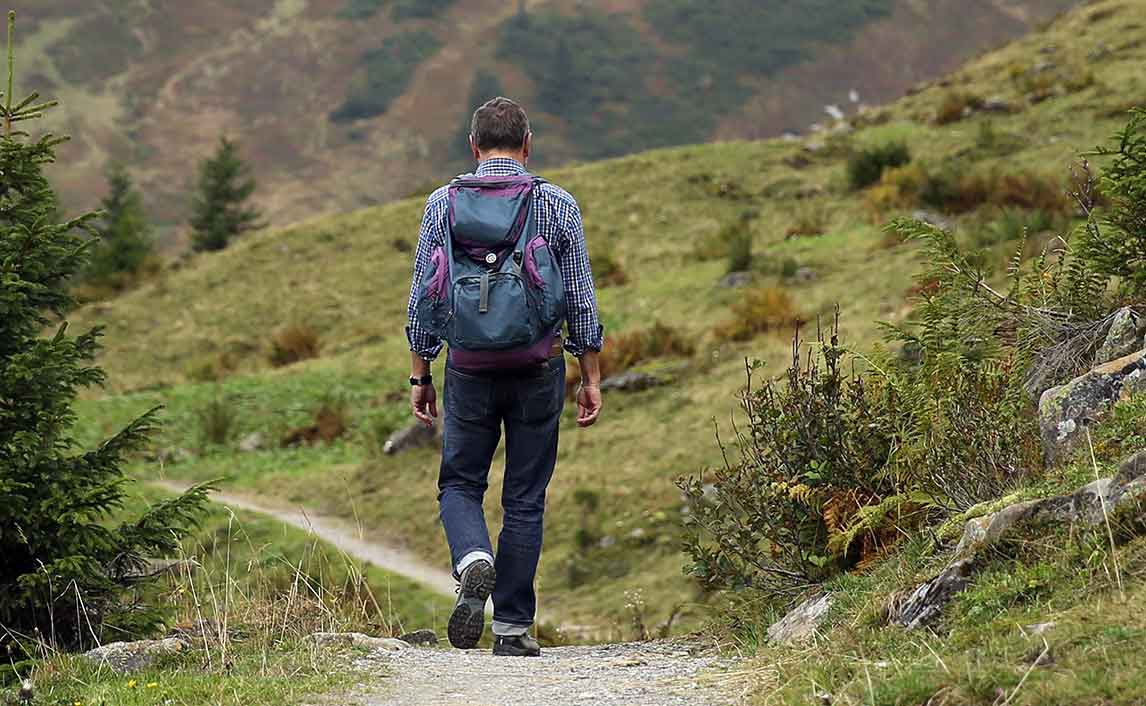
x,y
559,220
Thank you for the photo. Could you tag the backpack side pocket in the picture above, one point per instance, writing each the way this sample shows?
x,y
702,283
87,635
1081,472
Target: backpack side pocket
x,y
433,306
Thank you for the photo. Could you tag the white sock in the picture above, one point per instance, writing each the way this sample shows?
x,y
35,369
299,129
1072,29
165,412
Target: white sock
x,y
470,558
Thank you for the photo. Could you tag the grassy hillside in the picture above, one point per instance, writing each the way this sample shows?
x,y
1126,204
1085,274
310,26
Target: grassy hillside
x,y
991,146
346,103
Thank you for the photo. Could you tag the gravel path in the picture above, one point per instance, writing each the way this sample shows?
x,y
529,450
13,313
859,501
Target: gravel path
x,y
636,674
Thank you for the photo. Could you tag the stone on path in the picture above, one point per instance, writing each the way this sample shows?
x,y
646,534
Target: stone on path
x,y
357,639
420,637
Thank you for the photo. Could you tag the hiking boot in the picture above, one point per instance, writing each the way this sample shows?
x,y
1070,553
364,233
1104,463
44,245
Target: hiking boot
x,y
467,622
516,646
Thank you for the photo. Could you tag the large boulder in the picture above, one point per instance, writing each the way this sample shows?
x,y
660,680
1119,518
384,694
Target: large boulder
x,y
1066,410
1125,336
133,656
801,623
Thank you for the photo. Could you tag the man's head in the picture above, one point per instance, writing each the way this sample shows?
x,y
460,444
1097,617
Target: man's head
x,y
500,128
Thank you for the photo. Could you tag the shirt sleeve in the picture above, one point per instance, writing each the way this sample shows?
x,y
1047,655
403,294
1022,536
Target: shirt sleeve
x,y
585,330
422,342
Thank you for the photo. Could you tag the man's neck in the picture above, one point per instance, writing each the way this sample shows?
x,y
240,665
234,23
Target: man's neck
x,y
515,156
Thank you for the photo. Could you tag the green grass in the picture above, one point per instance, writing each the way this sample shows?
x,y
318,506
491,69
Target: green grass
x,y
344,277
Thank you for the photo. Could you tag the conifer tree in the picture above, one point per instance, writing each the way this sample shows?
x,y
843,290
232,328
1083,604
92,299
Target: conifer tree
x,y
64,564
125,240
220,209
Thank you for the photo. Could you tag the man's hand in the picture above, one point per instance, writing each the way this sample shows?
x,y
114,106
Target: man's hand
x,y
424,402
588,405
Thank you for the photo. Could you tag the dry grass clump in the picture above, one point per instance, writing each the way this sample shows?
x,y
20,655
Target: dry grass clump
x,y
630,349
761,310
608,271
810,221
294,343
956,105
331,422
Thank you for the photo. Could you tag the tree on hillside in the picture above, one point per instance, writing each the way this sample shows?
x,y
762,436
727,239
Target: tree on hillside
x,y
220,209
64,562
485,86
125,239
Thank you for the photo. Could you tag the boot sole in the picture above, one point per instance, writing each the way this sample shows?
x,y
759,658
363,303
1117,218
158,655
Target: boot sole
x,y
467,622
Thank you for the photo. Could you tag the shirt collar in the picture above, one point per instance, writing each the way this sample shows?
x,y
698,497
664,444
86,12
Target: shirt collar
x,y
500,166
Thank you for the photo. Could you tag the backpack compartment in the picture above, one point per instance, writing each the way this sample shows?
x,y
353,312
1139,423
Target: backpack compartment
x,y
433,305
545,281
492,311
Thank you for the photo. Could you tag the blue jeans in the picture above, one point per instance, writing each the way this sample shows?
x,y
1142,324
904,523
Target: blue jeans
x,y
529,404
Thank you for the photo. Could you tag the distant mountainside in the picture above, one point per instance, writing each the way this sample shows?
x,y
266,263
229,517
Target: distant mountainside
x,y
346,103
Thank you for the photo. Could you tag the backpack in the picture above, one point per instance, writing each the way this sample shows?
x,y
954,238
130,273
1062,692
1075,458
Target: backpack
x,y
493,291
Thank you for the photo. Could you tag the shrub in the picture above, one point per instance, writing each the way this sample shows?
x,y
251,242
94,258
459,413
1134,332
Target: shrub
x,y
218,421
294,343
867,166
739,251
607,269
956,105
331,422
810,459
657,341
761,310
385,73
212,368
811,220
66,562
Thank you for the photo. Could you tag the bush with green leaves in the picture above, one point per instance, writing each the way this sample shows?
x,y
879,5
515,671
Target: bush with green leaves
x,y
65,568
867,166
1114,240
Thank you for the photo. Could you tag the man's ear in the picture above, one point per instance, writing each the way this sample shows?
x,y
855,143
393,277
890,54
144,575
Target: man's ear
x,y
474,149
527,147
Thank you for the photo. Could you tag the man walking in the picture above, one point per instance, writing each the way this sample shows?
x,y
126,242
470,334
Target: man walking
x,y
501,266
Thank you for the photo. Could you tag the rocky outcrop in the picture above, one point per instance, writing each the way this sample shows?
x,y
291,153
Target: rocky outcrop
x,y
1125,336
1120,500
1066,410
133,656
801,623
357,639
415,436
427,638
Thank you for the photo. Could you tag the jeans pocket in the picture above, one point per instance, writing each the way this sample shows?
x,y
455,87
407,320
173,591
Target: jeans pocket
x,y
542,396
468,397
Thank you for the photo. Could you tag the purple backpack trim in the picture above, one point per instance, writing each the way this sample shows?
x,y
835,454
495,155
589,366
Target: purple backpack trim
x,y
437,288
531,261
486,361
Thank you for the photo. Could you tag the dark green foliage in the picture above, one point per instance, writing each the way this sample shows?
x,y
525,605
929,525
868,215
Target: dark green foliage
x,y
125,239
1114,240
361,9
404,9
220,211
385,73
867,166
64,569
740,248
761,37
485,86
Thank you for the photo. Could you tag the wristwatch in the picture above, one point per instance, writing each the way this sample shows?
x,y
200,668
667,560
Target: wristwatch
x,y
426,379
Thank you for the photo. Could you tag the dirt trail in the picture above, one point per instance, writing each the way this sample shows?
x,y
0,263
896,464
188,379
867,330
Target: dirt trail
x,y
341,534
635,674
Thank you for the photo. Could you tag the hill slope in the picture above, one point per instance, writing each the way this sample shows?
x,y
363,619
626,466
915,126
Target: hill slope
x,y
347,103
659,216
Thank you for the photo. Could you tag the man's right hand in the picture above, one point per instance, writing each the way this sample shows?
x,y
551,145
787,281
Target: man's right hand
x,y
588,405
424,402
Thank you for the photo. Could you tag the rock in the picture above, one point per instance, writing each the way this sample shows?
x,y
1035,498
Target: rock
x,y
1040,628
1065,410
415,436
254,441
631,381
126,657
1042,67
357,639
925,604
804,274
801,622
1131,469
153,568
733,280
996,105
814,147
1124,336
934,219
420,637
